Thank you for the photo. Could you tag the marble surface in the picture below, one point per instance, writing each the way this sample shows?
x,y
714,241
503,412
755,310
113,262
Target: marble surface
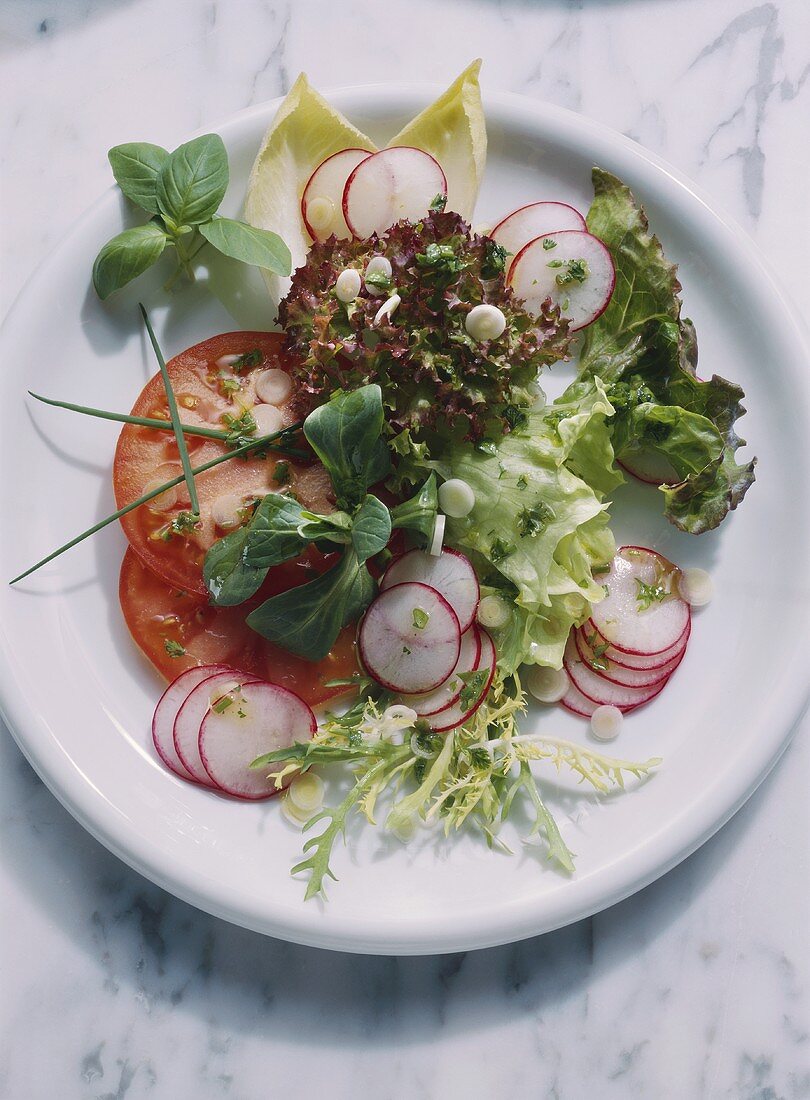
x,y
697,987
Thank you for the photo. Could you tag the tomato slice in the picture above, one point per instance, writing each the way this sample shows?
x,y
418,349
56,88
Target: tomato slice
x,y
177,630
209,389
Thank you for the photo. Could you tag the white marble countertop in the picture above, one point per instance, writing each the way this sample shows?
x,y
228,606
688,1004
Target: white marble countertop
x,y
697,987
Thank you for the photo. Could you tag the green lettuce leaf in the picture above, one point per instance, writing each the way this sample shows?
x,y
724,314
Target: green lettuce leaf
x,y
646,354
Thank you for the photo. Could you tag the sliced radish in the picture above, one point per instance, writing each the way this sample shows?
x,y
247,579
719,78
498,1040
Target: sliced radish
x,y
449,572
166,711
190,716
535,220
649,467
260,718
617,674
409,638
458,713
639,660
604,692
447,693
389,186
577,703
625,619
577,274
324,193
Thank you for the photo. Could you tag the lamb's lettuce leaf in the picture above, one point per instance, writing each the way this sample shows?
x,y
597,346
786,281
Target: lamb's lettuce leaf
x,y
646,354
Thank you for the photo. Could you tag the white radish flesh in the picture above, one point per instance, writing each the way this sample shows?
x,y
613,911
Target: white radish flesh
x,y
603,666
533,221
166,712
410,639
649,467
577,274
601,691
463,709
642,612
191,714
325,186
547,685
577,703
390,186
450,573
261,718
448,692
638,660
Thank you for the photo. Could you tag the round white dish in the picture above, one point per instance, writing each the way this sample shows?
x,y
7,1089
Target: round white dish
x,y
78,696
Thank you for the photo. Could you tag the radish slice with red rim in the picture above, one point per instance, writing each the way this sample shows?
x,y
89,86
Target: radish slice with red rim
x,y
390,186
190,716
574,269
259,718
326,186
649,467
535,220
578,703
603,666
642,612
638,661
604,692
463,709
167,709
409,638
447,693
449,572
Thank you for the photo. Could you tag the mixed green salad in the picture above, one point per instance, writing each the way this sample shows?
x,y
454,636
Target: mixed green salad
x,y
394,448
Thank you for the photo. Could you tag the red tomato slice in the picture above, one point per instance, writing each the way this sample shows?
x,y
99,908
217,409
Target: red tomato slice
x,y
206,395
177,630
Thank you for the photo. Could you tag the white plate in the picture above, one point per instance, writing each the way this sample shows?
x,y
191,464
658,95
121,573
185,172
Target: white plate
x,y
78,696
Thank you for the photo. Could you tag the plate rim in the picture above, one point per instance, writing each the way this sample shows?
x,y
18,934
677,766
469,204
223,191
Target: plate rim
x,y
143,855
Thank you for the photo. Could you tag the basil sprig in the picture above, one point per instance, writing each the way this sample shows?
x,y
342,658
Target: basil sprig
x,y
182,191
346,434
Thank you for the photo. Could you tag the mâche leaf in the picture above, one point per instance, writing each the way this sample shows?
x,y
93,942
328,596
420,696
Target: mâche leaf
x,y
418,513
252,246
126,256
346,435
136,166
371,528
192,182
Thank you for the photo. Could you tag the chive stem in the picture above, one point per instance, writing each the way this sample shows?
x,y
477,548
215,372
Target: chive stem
x,y
247,447
174,415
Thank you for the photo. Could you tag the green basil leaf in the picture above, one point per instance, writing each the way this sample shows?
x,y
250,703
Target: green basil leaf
x,y
419,513
346,435
306,620
126,256
193,181
136,166
252,246
236,565
371,529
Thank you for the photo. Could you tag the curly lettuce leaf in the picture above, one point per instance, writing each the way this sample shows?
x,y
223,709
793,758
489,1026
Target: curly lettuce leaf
x,y
647,356
537,530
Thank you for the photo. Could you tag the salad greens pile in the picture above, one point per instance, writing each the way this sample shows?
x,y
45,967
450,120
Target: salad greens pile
x,y
434,376
182,191
646,354
346,435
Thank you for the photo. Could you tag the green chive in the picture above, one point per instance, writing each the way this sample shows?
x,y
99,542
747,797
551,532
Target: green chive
x,y
185,461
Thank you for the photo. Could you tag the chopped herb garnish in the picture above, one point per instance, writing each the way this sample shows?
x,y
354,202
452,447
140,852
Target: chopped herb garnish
x,y
222,704
500,550
249,359
379,280
577,271
438,204
494,263
281,474
174,649
648,594
522,482
532,521
406,651
548,244
474,683
420,618
228,385
239,428
556,263
515,417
